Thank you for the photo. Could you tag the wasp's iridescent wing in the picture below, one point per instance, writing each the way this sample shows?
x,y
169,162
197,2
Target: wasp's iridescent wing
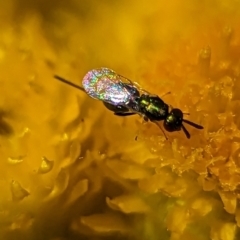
x,y
106,85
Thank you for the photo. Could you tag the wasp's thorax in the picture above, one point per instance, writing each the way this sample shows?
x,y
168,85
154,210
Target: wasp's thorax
x,y
173,121
153,107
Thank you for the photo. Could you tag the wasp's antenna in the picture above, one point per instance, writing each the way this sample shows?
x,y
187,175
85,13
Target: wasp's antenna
x,y
193,124
185,131
69,83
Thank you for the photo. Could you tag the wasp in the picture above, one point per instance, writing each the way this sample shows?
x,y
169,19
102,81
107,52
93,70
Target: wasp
x,y
125,97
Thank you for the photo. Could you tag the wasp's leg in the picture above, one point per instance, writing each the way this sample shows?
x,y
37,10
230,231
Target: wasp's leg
x,y
124,114
144,119
115,108
157,123
166,94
